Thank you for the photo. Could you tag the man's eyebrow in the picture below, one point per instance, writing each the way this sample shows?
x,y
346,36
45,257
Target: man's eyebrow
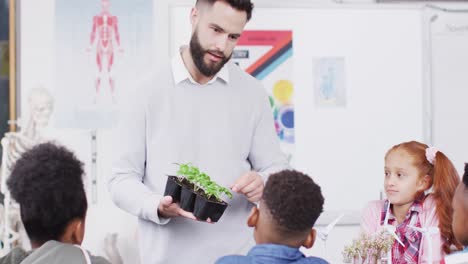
x,y
217,27
222,30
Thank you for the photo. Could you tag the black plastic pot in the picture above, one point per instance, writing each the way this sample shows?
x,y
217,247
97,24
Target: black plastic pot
x,y
173,188
187,199
205,209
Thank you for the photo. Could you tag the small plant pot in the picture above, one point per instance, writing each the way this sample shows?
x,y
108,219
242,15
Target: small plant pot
x,y
205,209
187,199
173,188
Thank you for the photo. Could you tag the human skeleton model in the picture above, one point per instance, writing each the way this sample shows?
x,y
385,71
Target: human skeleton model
x,y
14,144
105,30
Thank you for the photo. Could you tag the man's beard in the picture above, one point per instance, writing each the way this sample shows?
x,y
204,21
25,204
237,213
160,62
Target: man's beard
x,y
198,53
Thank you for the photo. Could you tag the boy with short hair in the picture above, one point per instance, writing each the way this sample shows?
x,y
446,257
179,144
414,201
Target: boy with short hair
x,y
283,221
47,183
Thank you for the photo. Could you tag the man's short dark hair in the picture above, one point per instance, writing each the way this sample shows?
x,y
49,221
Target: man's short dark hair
x,y
241,5
294,200
465,175
47,183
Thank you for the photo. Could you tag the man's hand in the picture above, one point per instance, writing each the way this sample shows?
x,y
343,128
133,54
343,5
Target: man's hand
x,y
251,185
168,209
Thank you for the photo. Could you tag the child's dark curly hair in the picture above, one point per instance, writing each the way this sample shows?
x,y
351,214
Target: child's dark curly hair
x,y
294,200
47,183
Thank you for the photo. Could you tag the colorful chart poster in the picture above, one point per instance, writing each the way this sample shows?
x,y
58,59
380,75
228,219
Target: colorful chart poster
x,y
268,56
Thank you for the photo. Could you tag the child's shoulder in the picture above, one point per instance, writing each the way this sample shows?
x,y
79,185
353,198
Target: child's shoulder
x,y
370,216
234,259
428,215
376,203
374,206
429,205
312,260
429,201
56,252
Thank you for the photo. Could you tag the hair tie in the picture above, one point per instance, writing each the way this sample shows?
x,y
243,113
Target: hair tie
x,y
431,154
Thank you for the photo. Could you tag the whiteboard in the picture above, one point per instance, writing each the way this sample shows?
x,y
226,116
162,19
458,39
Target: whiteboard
x,y
449,60
343,147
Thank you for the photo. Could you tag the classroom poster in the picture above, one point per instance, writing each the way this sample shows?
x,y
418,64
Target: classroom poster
x,y
267,55
100,53
329,82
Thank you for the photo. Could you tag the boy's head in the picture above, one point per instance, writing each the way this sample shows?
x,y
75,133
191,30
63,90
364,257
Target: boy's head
x,y
460,210
290,205
47,183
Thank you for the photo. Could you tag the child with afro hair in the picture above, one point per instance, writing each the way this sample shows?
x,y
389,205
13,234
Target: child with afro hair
x,y
47,183
283,221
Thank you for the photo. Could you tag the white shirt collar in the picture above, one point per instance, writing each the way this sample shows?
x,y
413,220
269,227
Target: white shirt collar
x,y
180,72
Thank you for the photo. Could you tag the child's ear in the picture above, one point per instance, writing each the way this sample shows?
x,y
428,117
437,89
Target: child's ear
x,y
424,183
253,217
74,232
310,240
78,230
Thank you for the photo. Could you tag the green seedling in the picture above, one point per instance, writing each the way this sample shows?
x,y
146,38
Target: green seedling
x,y
201,180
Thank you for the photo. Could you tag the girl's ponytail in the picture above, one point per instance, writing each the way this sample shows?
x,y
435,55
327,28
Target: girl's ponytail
x,y
445,182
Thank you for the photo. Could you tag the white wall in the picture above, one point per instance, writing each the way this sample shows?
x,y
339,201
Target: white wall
x,y
383,85
37,69
36,62
449,56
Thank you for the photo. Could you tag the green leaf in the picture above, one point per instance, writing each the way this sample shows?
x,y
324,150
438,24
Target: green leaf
x,y
203,181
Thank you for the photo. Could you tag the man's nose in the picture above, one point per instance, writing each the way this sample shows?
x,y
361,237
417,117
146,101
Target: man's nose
x,y
221,42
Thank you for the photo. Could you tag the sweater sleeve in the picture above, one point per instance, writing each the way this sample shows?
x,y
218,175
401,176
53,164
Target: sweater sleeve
x,y
128,171
265,154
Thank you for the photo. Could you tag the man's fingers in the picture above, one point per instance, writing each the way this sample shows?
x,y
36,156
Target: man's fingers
x,y
239,185
166,201
257,192
255,198
252,187
243,181
208,220
167,208
171,209
186,214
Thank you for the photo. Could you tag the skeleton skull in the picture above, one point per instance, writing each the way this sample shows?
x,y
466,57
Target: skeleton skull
x,y
41,104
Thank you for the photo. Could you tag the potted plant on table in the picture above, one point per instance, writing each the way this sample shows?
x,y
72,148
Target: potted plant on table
x,y
196,192
369,249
